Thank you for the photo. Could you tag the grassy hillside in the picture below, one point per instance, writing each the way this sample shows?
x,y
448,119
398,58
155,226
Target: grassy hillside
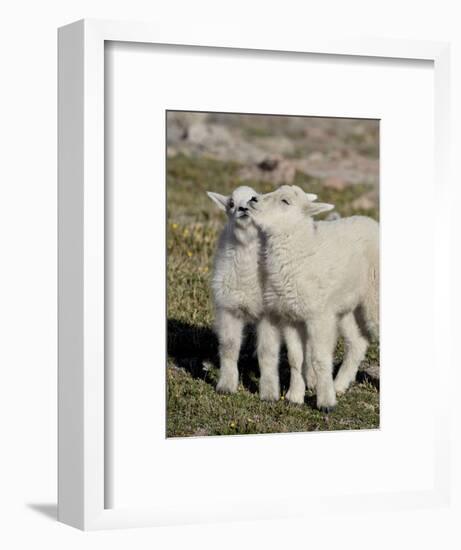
x,y
194,408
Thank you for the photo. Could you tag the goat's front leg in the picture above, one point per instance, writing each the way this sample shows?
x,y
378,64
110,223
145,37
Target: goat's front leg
x,y
229,329
322,333
294,340
268,359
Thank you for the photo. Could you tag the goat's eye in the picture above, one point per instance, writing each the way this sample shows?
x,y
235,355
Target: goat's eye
x,y
231,204
253,199
285,201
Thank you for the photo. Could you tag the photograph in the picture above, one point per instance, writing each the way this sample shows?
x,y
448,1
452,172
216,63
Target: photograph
x,y
273,254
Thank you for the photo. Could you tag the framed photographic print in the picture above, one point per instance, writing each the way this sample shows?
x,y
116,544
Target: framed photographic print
x,y
251,258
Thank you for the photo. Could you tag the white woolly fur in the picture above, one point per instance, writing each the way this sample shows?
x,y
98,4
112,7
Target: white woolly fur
x,y
322,275
238,300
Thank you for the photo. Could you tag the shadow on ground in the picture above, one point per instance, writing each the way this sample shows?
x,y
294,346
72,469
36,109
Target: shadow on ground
x,y
195,349
50,511
191,348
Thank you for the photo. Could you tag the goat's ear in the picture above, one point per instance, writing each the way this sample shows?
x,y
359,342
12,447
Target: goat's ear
x,y
300,192
219,200
313,208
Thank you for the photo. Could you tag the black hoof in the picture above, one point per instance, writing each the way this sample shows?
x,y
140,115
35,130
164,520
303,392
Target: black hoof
x,y
327,410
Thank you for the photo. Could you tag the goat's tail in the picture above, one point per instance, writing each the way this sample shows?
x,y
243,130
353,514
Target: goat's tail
x,y
370,304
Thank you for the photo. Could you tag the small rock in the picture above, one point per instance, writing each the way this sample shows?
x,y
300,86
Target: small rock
x,y
335,155
176,132
371,374
201,133
281,173
279,145
358,130
336,183
314,133
268,164
316,156
365,202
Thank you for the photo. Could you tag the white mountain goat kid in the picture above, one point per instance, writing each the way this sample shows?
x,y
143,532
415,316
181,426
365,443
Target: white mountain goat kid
x,y
238,300
321,274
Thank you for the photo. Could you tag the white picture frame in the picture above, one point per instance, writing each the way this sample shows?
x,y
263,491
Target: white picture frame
x,y
82,466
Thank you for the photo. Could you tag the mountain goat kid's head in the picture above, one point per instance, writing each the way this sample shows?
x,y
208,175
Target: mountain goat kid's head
x,y
285,209
236,205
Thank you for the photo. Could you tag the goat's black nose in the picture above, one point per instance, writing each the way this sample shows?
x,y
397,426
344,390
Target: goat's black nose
x,y
242,209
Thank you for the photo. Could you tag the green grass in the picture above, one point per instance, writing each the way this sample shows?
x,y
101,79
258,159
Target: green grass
x,y
194,408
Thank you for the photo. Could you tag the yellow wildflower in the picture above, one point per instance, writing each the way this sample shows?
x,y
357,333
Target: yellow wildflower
x,y
189,253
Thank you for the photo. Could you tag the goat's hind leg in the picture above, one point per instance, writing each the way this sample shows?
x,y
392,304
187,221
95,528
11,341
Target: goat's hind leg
x,y
268,359
356,347
322,332
294,340
229,329
308,370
